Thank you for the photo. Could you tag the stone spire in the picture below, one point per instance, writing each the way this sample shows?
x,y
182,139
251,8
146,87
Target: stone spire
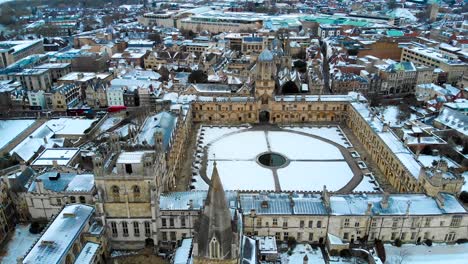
x,y
215,234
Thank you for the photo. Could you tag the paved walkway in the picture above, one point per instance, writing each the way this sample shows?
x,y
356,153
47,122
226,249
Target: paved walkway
x,y
366,157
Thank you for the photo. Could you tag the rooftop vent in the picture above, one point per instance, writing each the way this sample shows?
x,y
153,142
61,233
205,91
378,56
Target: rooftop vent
x,y
54,177
69,215
47,243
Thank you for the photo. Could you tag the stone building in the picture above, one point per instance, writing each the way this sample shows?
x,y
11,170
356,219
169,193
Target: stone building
x,y
359,217
50,191
70,237
7,211
398,79
128,185
64,96
96,95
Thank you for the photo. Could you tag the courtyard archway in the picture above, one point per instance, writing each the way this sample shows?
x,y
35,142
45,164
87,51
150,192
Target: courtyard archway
x,y
264,117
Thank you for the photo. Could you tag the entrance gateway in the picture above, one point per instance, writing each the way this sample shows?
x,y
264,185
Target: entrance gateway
x,y
264,116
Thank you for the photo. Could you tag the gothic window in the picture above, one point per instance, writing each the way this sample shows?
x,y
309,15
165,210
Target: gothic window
x,y
214,248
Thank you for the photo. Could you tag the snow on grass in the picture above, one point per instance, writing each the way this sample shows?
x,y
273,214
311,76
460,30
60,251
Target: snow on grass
x,y
208,134
390,114
9,129
245,145
312,176
243,175
19,244
419,254
332,133
296,146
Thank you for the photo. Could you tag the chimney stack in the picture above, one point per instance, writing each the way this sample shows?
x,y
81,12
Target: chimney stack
x,y
369,208
384,202
408,207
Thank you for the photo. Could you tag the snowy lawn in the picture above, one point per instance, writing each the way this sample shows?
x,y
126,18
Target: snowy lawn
x,y
332,133
313,162
208,134
312,176
243,175
19,244
296,146
9,129
245,145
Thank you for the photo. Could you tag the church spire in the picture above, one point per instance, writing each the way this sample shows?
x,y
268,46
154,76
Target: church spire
x,y
215,235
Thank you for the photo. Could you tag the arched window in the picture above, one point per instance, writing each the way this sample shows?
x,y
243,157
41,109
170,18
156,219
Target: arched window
x,y
82,199
214,248
72,199
115,193
136,192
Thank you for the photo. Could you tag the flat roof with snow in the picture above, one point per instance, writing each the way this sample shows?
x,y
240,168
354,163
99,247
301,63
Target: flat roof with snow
x,y
10,129
70,126
57,240
132,157
63,156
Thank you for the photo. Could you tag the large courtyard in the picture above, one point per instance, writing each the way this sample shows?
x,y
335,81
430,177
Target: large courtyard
x,y
270,158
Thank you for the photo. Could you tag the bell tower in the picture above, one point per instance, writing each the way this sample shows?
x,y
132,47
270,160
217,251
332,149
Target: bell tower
x,y
264,78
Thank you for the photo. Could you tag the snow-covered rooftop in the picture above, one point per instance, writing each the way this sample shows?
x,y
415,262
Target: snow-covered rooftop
x,y
453,119
419,204
70,126
9,129
59,237
87,254
405,155
194,200
132,157
282,204
64,182
63,156
184,252
163,122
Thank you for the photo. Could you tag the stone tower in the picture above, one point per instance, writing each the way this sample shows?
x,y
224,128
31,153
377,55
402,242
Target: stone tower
x,y
264,79
216,238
